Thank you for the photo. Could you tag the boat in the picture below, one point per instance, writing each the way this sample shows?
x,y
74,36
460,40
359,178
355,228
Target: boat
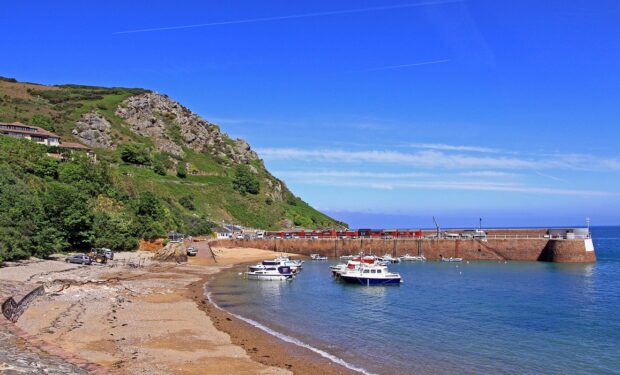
x,y
294,262
413,258
370,274
317,257
280,273
389,259
451,259
347,257
294,266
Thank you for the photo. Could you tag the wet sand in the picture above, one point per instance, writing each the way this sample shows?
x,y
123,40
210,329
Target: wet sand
x,y
155,319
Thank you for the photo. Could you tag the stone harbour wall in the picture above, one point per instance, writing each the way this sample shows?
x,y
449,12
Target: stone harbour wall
x,y
532,249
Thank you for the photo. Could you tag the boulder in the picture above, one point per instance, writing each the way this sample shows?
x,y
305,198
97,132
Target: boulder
x,y
94,130
172,252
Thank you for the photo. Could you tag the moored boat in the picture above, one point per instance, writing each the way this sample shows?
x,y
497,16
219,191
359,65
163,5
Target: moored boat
x,y
413,258
451,259
370,274
279,273
317,257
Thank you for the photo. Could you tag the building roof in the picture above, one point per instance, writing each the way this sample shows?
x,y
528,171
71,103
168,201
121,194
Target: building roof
x,y
30,130
222,230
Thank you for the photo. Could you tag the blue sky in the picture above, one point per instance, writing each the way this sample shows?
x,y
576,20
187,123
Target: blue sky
x,y
382,113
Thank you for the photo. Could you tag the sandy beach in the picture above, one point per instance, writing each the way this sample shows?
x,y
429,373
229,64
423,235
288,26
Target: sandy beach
x,y
139,316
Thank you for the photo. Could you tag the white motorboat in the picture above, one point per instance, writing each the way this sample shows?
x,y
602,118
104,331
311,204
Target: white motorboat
x,y
370,274
347,257
280,273
413,258
317,257
355,263
294,266
292,262
390,259
451,259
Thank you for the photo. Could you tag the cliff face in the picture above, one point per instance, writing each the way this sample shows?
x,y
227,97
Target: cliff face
x,y
149,139
172,126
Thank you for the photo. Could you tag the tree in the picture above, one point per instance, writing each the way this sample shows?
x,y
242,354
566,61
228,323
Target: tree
x,y
115,231
245,181
44,122
67,216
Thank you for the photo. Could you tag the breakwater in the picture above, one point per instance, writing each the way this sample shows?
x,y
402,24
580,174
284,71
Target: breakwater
x,y
523,248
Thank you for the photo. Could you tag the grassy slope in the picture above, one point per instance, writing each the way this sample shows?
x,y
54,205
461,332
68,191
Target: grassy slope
x,y
211,184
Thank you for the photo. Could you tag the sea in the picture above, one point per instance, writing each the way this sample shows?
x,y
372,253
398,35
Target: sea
x,y
480,317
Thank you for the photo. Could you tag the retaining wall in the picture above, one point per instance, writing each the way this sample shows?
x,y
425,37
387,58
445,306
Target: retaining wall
x,y
538,249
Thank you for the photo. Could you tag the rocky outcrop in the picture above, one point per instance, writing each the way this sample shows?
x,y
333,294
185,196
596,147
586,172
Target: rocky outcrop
x,y
173,126
94,130
172,252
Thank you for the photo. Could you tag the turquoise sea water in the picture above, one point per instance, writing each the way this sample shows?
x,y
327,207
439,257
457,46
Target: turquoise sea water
x,y
476,317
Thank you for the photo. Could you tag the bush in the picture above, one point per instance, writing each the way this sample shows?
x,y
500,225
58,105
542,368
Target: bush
x,y
135,154
245,181
44,122
181,170
187,201
159,168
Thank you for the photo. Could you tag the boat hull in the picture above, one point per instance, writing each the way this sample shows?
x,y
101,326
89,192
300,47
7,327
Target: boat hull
x,y
370,281
269,277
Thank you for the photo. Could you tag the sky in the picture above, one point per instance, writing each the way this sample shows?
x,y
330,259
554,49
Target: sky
x,y
380,113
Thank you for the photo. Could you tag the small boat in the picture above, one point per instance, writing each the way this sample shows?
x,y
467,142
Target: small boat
x,y
413,258
389,259
280,273
347,257
317,257
293,262
370,274
451,259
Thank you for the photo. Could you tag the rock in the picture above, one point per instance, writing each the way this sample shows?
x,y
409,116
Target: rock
x,y
172,252
173,126
94,130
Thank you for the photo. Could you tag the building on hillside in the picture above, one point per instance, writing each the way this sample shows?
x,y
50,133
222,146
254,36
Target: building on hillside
x,y
32,133
223,232
42,137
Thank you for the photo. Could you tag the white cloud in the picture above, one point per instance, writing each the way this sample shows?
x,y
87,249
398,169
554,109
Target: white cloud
x,y
438,159
446,147
469,186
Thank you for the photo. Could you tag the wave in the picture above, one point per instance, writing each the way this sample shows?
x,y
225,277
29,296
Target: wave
x,y
290,339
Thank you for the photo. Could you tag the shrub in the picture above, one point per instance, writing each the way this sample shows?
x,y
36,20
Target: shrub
x,y
135,154
181,170
187,201
245,181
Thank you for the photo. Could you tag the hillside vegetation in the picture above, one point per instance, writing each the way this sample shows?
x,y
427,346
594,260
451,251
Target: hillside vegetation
x,y
159,167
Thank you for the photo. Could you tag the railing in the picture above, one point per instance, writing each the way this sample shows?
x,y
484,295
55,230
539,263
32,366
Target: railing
x,y
492,237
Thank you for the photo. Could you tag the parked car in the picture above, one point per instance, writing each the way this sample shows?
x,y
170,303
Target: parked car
x,y
79,258
191,251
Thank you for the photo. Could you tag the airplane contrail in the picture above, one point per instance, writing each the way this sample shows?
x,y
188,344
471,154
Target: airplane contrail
x,y
402,66
292,16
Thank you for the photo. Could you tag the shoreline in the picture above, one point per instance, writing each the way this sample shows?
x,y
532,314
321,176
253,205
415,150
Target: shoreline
x,y
155,319
265,347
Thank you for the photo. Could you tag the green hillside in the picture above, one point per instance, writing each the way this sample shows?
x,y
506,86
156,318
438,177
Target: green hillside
x,y
158,167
